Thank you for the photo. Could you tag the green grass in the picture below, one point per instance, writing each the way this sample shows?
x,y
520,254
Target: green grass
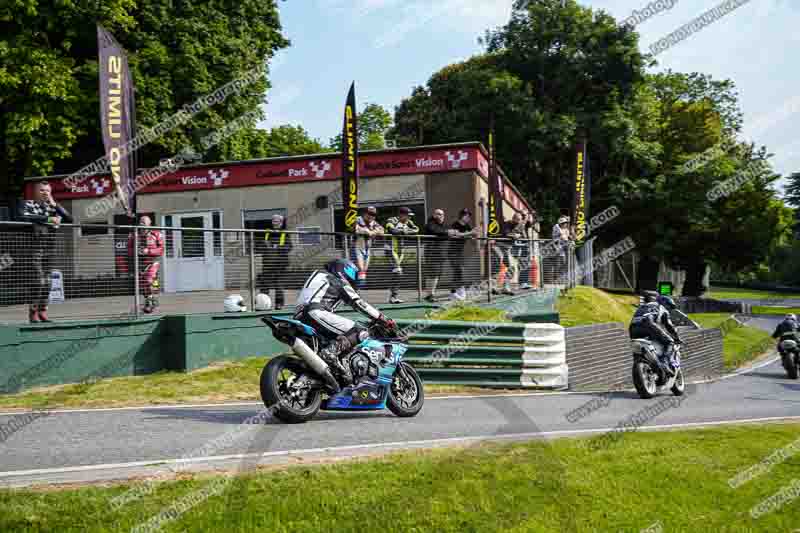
x,y
587,305
765,310
726,293
221,382
532,487
740,344
471,313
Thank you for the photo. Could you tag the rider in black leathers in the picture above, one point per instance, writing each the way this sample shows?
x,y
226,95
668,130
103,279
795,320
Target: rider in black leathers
x,y
788,328
652,321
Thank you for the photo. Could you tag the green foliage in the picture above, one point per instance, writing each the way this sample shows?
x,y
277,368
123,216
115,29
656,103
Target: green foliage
x,y
178,52
554,74
284,140
373,123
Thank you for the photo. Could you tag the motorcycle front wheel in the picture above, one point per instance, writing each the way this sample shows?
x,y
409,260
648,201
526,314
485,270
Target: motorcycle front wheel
x,y
406,395
644,379
281,391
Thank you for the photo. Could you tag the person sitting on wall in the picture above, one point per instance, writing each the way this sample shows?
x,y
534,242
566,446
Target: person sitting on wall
x,y
275,259
397,226
151,248
46,215
367,228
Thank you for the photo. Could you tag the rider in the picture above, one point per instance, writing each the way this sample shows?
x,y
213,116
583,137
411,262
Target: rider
x,y
652,321
323,292
789,327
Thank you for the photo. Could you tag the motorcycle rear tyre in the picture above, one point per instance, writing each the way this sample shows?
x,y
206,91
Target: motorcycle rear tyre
x,y
793,366
272,398
639,368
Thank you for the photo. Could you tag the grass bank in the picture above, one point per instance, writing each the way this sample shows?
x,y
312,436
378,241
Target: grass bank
x,y
767,310
560,486
750,294
741,344
586,305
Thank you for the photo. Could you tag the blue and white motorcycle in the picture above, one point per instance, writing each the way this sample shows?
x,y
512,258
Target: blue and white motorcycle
x,y
294,385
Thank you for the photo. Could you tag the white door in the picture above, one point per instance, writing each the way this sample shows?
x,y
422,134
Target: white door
x,y
195,263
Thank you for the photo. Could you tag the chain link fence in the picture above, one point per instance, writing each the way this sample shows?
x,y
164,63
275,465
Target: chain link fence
x,y
90,271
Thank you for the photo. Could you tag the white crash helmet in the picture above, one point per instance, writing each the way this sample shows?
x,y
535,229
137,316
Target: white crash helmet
x,y
791,316
263,302
235,304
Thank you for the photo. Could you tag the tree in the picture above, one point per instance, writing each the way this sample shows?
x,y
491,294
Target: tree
x,y
373,123
793,190
550,75
284,140
554,74
178,52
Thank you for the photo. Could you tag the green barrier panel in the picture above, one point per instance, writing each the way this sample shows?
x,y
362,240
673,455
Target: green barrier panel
x,y
441,338
472,376
58,353
425,362
418,350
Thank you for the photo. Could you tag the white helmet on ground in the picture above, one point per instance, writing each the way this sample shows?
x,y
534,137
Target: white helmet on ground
x,y
235,304
263,302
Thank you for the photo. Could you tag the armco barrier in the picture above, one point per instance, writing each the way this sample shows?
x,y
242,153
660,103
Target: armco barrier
x,y
488,353
599,356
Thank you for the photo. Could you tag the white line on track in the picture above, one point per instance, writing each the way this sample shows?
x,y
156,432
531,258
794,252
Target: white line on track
x,y
398,444
434,398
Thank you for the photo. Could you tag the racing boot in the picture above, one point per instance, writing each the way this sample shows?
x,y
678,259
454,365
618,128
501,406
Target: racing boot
x,y
667,360
331,353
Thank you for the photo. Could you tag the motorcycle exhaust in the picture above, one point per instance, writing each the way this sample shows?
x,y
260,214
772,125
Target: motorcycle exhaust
x,y
315,362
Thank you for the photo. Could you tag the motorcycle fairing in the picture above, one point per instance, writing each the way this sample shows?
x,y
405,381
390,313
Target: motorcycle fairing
x,y
369,394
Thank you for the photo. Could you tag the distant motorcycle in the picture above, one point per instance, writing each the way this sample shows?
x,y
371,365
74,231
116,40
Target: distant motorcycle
x,y
790,357
649,376
296,385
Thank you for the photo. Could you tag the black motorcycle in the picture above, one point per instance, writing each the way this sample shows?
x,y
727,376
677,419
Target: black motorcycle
x,y
649,375
790,355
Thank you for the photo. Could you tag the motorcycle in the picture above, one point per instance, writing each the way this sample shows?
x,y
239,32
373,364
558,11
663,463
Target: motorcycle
x,y
299,386
649,375
790,356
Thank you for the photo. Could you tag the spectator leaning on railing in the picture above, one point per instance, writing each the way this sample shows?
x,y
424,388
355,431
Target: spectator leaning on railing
x,y
563,238
398,227
501,253
46,215
275,251
367,228
151,248
435,251
519,231
460,230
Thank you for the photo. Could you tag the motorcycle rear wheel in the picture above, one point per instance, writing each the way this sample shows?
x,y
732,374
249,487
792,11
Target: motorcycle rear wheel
x,y
793,366
644,379
290,405
406,394
680,384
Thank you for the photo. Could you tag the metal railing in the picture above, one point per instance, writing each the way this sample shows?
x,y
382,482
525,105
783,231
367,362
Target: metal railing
x,y
85,271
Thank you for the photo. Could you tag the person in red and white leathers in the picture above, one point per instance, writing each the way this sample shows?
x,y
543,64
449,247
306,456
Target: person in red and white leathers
x,y
151,248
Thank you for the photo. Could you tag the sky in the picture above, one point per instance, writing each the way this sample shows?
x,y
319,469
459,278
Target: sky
x,y
390,46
